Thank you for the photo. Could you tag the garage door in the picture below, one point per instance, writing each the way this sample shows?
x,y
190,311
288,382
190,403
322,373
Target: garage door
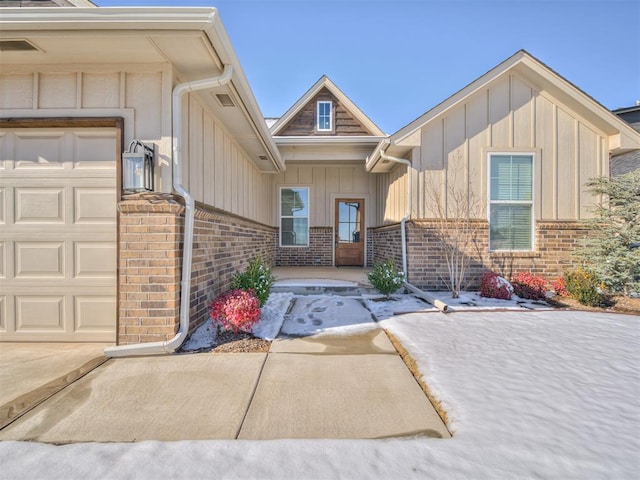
x,y
58,241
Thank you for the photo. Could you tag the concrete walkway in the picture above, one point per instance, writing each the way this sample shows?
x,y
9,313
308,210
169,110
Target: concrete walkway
x,y
314,387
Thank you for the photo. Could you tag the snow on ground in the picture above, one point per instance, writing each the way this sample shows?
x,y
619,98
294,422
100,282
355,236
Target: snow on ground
x,y
547,394
396,305
473,301
327,314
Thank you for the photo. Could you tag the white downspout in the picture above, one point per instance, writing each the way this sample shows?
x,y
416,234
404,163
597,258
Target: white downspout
x,y
185,290
403,233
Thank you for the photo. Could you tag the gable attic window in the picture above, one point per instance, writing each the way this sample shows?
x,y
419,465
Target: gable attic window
x,y
511,202
324,118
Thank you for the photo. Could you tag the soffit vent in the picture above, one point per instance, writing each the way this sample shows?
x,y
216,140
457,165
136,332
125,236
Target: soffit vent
x,y
225,100
17,46
263,158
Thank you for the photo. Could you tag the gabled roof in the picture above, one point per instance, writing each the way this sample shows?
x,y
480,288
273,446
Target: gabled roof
x,y
325,82
622,136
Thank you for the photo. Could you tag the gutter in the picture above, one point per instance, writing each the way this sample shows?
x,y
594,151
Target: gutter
x,y
439,304
172,345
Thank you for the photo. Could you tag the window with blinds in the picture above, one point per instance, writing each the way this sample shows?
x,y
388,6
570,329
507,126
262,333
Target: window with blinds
x,y
511,202
294,217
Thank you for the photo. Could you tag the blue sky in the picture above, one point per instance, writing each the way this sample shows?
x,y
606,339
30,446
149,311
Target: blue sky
x,y
397,59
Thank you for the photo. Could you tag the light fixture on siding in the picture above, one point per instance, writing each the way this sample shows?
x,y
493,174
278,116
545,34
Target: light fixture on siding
x,y
137,167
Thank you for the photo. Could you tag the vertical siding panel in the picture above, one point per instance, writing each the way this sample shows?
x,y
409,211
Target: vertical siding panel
x,y
566,138
208,160
589,166
346,180
291,175
319,203
142,93
227,173
499,113
218,168
478,138
546,205
454,141
194,159
521,103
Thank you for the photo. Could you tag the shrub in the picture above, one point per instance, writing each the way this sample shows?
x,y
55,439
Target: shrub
x,y
493,285
386,278
584,286
256,277
236,310
527,285
560,287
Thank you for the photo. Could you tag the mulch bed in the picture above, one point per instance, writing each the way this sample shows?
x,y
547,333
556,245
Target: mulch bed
x,y
619,304
241,342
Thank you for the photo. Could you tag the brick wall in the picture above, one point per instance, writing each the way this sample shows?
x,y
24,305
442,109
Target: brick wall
x,y
150,262
318,253
386,242
223,245
555,244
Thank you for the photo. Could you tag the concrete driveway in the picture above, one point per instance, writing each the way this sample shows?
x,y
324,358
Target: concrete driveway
x,y
316,387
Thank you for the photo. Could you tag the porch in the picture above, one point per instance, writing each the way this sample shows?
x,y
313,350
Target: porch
x,y
319,280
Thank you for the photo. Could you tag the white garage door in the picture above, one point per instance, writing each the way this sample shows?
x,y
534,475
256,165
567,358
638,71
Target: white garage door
x,y
58,240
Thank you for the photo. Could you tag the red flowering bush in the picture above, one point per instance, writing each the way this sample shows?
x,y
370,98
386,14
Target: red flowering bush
x,y
559,285
493,285
527,285
236,310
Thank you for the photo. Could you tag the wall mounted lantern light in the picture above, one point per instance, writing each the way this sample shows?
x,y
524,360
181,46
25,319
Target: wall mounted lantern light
x,y
137,167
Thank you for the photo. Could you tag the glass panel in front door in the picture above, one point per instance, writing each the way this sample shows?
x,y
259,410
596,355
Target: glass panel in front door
x,y
349,222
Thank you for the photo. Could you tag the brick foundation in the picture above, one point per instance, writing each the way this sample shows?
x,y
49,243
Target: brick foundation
x,y
319,253
386,242
555,244
150,262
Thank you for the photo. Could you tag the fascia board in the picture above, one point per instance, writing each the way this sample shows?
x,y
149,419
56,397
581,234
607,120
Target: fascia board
x,y
107,18
315,140
222,44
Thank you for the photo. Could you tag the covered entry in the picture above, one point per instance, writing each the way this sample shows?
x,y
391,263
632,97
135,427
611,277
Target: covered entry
x,y
349,232
58,249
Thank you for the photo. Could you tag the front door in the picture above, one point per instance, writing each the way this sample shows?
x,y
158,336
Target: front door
x,y
349,231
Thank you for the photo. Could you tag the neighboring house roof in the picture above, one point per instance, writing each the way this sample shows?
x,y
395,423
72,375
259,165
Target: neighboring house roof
x,y
622,138
192,40
46,3
631,115
325,83
625,163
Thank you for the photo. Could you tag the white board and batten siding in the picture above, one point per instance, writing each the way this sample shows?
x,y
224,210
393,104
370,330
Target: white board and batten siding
x,y
219,173
509,115
326,183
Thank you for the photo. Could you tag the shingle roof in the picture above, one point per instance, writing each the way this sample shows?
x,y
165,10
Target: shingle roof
x,y
625,163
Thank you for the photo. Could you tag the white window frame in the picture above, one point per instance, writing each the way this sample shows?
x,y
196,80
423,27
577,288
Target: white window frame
x,y
330,103
280,216
513,202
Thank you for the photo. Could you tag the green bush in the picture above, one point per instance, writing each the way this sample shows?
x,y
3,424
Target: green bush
x,y
584,286
256,277
386,278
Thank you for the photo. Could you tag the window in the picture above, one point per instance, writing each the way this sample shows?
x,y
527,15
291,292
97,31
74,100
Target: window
x,y
325,123
511,202
294,217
